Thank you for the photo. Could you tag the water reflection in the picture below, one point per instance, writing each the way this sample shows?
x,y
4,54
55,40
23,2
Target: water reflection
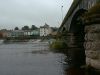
x,y
75,70
72,70
78,71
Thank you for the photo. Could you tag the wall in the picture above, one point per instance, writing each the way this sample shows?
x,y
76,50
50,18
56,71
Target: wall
x,y
92,45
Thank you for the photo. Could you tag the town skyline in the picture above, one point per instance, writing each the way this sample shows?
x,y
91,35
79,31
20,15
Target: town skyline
x,y
29,27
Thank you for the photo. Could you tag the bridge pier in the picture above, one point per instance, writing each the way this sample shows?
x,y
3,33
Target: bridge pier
x,y
76,52
92,45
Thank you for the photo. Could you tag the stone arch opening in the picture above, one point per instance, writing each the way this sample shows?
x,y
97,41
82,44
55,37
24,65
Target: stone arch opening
x,y
63,29
77,24
77,34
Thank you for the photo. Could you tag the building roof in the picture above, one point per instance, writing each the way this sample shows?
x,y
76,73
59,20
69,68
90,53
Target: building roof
x,y
45,26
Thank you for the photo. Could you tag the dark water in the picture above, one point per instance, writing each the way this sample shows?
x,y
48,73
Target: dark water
x,y
29,59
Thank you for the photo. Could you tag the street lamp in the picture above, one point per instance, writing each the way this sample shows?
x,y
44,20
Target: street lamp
x,y
62,12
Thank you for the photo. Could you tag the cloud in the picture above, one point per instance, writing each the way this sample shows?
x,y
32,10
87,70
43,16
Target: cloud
x,y
27,12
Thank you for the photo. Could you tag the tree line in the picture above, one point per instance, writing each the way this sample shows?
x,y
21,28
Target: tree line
x,y
33,27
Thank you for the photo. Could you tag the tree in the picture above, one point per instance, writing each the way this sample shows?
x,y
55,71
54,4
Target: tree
x,y
33,27
16,28
25,28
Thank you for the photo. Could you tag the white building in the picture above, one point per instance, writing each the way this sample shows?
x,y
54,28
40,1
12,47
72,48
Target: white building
x,y
45,30
27,32
15,33
31,32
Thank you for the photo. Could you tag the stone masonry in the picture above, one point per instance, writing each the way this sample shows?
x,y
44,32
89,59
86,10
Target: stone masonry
x,y
82,43
92,45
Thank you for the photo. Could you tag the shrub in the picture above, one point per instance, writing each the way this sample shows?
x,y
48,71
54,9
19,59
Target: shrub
x,y
58,46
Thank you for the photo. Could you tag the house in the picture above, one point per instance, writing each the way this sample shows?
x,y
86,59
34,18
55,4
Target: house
x,y
35,32
32,33
54,33
45,30
27,32
5,33
19,33
16,33
12,33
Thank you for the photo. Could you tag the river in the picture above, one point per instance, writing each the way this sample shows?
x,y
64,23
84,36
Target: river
x,y
34,58
29,58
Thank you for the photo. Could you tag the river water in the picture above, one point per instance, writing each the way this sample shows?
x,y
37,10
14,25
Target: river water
x,y
34,58
28,58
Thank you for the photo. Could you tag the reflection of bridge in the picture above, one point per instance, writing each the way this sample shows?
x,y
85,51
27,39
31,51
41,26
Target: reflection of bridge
x,y
74,24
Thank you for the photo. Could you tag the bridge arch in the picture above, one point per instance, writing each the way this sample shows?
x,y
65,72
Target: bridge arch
x,y
77,24
76,49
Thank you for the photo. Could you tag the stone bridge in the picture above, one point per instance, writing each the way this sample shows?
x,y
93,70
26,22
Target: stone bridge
x,y
83,40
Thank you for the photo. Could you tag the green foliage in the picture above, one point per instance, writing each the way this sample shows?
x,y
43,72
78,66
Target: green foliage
x,y
93,15
98,1
25,28
58,46
16,28
62,35
34,27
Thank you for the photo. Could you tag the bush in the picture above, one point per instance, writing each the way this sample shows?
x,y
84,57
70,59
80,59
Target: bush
x,y
58,46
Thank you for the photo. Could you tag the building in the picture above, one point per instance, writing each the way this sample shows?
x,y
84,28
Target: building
x,y
16,33
45,30
19,33
35,32
54,33
27,32
5,33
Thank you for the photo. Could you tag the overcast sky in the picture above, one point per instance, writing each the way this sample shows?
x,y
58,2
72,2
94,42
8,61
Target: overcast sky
x,y
32,12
